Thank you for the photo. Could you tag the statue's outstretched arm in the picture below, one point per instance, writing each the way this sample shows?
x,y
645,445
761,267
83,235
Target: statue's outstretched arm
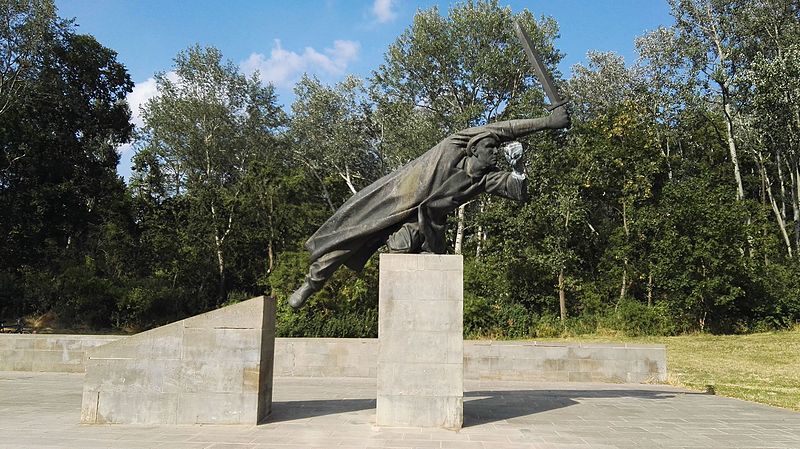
x,y
512,129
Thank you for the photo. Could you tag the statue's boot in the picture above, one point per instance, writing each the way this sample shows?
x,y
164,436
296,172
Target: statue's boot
x,y
302,294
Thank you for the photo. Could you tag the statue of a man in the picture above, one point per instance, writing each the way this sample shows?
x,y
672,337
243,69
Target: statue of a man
x,y
407,209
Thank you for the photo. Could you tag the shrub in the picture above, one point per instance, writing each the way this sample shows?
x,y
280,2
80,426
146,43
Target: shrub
x,y
477,316
635,319
346,307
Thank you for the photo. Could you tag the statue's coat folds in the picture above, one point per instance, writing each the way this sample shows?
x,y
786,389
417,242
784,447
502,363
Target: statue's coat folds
x,y
422,191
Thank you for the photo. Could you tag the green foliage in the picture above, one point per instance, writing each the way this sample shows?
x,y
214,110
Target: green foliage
x,y
206,136
331,137
640,219
346,307
477,315
633,319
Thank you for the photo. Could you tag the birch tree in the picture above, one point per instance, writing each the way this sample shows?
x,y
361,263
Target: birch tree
x,y
329,130
713,45
210,123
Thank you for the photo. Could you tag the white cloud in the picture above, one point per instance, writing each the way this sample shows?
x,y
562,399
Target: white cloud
x,y
384,10
125,148
142,91
283,66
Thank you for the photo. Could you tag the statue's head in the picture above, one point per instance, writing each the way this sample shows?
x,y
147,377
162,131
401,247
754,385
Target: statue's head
x,y
484,147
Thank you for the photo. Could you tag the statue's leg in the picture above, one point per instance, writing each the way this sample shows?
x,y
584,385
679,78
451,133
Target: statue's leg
x,y
319,272
407,240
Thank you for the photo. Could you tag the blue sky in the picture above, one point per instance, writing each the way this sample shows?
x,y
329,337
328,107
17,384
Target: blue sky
x,y
327,38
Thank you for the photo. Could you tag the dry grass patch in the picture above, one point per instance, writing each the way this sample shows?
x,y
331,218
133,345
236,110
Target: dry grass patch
x,y
761,367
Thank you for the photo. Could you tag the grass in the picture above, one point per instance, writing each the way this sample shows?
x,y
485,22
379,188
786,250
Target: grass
x,y
762,367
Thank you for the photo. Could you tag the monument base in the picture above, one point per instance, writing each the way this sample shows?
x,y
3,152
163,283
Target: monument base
x,y
420,341
214,368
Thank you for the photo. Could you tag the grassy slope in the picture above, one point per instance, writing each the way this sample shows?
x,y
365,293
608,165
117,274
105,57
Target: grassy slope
x,y
762,368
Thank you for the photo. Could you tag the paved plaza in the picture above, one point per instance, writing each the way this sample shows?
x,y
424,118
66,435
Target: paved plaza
x,y
42,410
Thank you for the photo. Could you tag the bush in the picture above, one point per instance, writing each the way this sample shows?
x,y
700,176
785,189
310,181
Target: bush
x,y
548,326
477,316
635,319
346,307
511,320
86,299
152,302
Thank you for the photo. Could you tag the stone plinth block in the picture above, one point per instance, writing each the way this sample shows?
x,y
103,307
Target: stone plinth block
x,y
214,368
420,341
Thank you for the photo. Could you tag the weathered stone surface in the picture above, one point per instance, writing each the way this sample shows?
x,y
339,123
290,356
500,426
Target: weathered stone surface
x,y
358,357
215,368
420,411
326,357
58,353
420,343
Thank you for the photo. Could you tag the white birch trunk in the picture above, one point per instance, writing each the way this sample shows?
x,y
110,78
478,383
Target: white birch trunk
x,y
775,209
732,147
562,295
460,229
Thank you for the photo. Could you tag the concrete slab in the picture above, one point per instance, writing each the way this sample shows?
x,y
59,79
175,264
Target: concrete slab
x,y
214,368
41,410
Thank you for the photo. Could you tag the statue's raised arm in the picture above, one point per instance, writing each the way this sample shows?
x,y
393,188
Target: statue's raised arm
x,y
514,129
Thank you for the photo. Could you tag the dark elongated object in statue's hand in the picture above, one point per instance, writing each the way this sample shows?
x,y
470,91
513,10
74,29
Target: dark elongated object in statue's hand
x,y
539,68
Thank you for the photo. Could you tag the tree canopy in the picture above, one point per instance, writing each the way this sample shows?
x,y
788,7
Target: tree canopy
x,y
672,205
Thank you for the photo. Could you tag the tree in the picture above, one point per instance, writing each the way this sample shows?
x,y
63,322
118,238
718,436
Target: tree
x,y
709,39
65,224
329,130
620,155
771,121
205,129
26,28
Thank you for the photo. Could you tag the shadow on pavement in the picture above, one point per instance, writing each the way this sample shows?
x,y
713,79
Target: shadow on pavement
x,y
293,410
482,407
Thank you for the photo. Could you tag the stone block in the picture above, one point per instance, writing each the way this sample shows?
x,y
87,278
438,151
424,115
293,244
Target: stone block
x,y
213,368
422,347
421,315
7,341
122,407
215,408
420,372
222,345
420,411
422,379
161,343
24,343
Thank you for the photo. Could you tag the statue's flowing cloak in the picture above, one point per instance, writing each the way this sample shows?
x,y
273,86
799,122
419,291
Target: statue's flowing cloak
x,y
424,190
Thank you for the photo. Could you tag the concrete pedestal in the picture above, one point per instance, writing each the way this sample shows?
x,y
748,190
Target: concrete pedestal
x,y
420,341
214,368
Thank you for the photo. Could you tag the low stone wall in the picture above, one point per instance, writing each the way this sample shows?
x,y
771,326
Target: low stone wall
x,y
355,357
572,362
326,357
48,352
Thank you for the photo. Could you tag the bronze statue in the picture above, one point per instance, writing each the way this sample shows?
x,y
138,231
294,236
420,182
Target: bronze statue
x,y
407,209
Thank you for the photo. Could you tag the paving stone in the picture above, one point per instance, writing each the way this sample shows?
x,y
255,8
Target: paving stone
x,y
42,410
